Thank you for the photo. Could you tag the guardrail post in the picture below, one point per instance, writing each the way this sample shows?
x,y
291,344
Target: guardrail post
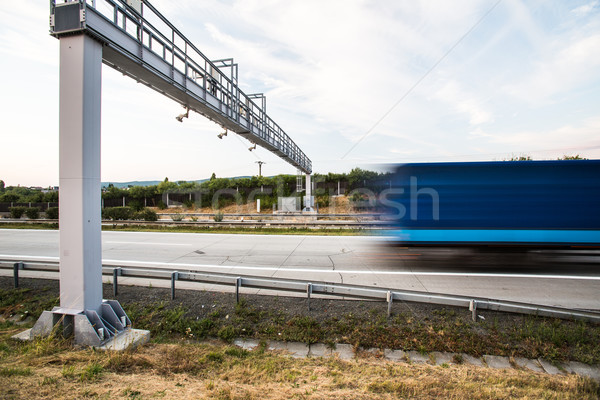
x,y
238,284
390,299
116,272
16,267
473,309
308,293
174,277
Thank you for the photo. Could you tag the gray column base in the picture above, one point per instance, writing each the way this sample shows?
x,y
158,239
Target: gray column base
x,y
88,327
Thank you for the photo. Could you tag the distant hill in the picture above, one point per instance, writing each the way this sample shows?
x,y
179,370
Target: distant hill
x,y
121,185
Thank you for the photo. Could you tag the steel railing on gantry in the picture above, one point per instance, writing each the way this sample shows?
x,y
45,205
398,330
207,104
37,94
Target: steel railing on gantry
x,y
142,43
303,286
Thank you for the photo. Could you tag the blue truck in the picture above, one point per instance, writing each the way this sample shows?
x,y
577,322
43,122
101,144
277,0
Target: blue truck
x,y
505,203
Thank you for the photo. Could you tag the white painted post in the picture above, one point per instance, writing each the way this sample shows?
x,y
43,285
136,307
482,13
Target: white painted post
x,y
79,173
257,205
308,194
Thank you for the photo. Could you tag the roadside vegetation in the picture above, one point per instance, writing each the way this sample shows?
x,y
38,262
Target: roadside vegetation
x,y
190,355
202,229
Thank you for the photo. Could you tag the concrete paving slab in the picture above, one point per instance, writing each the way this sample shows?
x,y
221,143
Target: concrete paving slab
x,y
532,365
395,355
275,345
549,368
297,349
130,339
247,344
373,352
566,369
497,362
476,361
319,350
344,351
443,358
418,358
581,369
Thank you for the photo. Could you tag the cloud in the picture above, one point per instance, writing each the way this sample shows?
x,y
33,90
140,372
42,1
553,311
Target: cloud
x,y
565,64
464,103
582,137
584,9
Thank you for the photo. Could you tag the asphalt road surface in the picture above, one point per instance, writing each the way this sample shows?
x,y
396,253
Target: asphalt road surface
x,y
558,278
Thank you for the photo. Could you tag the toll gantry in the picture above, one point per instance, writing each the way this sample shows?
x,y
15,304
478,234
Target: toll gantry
x,y
134,38
141,43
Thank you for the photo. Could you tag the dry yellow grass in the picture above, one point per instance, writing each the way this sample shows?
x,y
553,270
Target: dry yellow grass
x,y
217,371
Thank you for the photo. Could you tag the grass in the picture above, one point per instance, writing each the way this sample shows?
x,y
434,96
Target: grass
x,y
202,229
183,362
442,330
217,371
363,324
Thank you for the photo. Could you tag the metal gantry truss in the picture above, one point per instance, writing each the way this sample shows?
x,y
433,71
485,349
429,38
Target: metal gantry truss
x,y
141,43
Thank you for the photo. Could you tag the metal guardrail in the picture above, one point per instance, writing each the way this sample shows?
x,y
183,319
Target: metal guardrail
x,y
311,288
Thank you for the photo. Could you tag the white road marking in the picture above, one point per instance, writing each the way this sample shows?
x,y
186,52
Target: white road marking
x,y
134,263
150,244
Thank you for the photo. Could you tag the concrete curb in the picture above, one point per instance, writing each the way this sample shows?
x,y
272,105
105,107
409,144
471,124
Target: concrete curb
x,y
347,352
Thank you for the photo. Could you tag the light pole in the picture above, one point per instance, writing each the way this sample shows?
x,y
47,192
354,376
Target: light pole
x,y
260,163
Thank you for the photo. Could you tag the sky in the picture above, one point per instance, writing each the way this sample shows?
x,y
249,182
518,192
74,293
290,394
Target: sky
x,y
354,83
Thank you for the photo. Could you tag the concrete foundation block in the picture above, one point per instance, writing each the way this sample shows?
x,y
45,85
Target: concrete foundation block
x,y
23,336
129,339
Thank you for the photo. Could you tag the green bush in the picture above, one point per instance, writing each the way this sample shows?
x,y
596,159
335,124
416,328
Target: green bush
x,y
147,215
17,212
218,217
117,213
52,213
136,205
161,205
32,212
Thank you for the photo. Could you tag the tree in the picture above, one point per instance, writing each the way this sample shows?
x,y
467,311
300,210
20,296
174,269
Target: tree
x,y
213,177
575,157
522,157
1,186
166,186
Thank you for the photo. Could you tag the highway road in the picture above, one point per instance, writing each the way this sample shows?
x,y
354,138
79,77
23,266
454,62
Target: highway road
x,y
556,278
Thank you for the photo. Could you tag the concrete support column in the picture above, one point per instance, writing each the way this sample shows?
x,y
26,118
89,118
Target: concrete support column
x,y
308,199
79,173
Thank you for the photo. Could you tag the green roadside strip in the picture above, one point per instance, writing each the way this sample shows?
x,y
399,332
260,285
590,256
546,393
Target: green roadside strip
x,y
424,329
203,229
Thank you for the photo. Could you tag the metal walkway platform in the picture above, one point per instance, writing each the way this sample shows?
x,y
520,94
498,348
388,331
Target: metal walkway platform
x,y
141,43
